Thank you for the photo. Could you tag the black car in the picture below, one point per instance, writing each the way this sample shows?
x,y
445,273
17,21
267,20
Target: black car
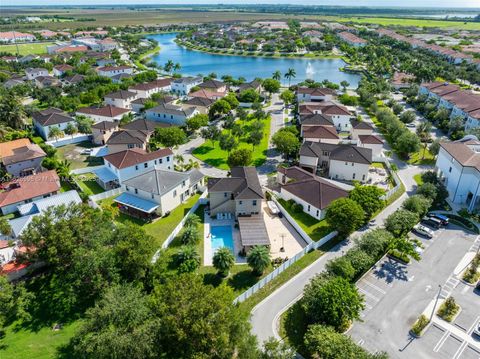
x,y
431,222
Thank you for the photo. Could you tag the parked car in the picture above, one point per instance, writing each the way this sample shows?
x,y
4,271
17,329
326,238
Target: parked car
x,y
87,151
476,331
431,222
411,125
440,217
477,287
424,231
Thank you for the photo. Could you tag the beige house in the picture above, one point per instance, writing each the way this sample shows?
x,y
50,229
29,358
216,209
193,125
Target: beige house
x,y
102,131
360,128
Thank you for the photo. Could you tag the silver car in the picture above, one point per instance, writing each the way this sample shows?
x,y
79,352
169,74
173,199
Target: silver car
x,y
424,231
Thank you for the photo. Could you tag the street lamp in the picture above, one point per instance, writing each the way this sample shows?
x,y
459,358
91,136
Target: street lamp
x,y
282,248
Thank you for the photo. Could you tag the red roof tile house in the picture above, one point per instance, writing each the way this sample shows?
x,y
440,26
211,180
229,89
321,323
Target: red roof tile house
x,y
352,39
105,113
307,94
26,189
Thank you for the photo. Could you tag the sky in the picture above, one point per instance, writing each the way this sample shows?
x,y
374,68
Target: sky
x,y
382,3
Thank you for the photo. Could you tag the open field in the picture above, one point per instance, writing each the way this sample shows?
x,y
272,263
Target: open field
x,y
26,48
385,21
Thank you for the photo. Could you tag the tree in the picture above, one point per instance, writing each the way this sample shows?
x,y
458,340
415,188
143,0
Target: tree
x,y
277,75
70,129
227,142
417,204
63,169
271,85
249,96
170,136
232,100
324,342
397,108
288,97
239,158
404,246
368,197
211,133
120,325
5,227
196,122
255,138
84,124
274,349
345,215
14,302
197,320
434,147
375,242
258,259
223,261
55,132
408,116
177,67
242,114
219,107
341,267
188,259
407,143
424,133
333,301
168,67
290,74
427,190
401,222
192,221
344,85
11,111
190,235
286,143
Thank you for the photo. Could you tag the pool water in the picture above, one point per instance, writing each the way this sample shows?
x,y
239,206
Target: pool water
x,y
221,236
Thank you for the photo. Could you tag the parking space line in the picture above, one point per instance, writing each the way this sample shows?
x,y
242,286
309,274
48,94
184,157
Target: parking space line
x,y
441,341
460,350
368,294
374,286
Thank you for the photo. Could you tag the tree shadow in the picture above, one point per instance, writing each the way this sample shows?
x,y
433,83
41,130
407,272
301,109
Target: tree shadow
x,y
295,325
391,270
202,150
242,280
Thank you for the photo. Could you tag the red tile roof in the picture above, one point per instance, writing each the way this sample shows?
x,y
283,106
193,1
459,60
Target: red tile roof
x,y
106,111
135,156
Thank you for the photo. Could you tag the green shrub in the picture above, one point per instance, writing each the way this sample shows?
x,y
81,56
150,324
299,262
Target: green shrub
x,y
420,325
297,208
448,309
472,274
399,255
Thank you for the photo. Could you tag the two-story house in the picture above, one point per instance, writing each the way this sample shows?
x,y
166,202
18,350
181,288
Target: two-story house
x,y
60,70
120,99
183,85
359,128
307,94
33,73
45,120
22,158
171,114
214,85
110,71
102,131
103,113
146,90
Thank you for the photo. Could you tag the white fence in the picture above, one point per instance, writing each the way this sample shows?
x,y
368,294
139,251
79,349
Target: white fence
x,y
84,170
396,179
294,223
69,140
202,200
270,276
104,195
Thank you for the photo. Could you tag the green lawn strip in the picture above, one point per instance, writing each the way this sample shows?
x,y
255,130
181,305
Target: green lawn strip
x,y
313,227
65,186
88,184
145,55
26,48
422,157
40,344
215,156
418,179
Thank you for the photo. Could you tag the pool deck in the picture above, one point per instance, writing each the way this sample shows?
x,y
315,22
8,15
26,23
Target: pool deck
x,y
207,247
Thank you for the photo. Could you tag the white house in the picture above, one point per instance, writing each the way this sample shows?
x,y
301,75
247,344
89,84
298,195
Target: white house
x,y
183,85
158,192
312,192
458,165
44,120
171,114
13,36
371,141
33,73
146,90
120,98
59,70
307,94
105,113
110,71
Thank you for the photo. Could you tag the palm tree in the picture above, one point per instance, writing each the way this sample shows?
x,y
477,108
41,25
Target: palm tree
x,y
423,132
192,221
188,259
258,259
55,132
177,67
63,169
277,75
290,74
223,260
168,66
12,111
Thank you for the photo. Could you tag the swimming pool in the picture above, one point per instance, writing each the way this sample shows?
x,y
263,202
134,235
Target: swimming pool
x,y
222,236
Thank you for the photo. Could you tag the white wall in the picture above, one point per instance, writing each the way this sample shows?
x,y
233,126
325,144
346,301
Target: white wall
x,y
123,174
349,171
307,208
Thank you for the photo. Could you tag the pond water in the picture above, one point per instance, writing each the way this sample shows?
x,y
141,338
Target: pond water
x,y
196,62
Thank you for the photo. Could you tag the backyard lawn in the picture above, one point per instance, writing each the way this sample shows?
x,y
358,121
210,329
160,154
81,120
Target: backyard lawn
x,y
27,48
88,184
73,154
313,227
212,154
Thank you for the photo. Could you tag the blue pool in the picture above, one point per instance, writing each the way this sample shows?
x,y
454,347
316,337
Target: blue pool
x,y
222,236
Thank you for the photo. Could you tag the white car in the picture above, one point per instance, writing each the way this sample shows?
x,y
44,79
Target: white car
x,y
87,151
424,231
411,125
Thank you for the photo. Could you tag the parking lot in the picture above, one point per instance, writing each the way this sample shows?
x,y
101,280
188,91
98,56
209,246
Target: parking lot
x,y
396,294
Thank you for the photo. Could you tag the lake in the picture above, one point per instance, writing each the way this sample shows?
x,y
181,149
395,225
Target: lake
x,y
196,62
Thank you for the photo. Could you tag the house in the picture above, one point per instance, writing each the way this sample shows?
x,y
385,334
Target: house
x,y
60,70
118,79
139,104
312,192
27,189
183,85
373,142
339,114
201,104
171,114
11,83
359,128
158,192
401,80
337,161
102,131
105,113
123,165
46,81
14,36
21,158
240,196
73,80
44,120
120,99
33,73
307,94
352,39
37,207
458,166
325,134
314,120
110,71
146,90
213,85
255,85
211,95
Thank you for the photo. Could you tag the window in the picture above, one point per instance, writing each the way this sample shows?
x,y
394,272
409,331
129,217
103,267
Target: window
x,y
136,167
317,212
160,160
130,145
308,208
450,170
346,163
128,189
225,194
254,202
155,161
136,191
153,196
353,176
168,158
363,178
175,193
353,164
145,165
240,202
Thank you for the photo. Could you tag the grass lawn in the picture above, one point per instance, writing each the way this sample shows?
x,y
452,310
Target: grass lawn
x,y
73,154
422,157
27,48
40,344
313,227
215,156
386,21
418,179
88,184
